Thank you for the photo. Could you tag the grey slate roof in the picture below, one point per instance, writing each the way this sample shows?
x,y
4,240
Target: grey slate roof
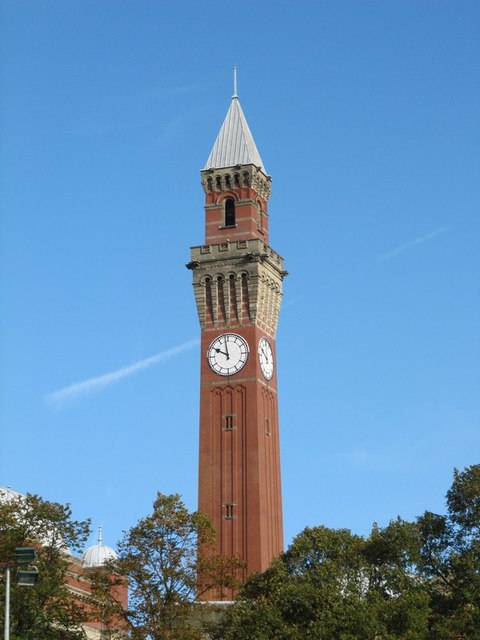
x,y
234,144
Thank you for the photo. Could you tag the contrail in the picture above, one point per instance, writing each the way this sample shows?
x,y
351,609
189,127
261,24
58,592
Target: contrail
x,y
57,398
412,243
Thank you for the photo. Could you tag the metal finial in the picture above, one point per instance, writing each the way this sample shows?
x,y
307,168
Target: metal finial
x,y
100,535
235,83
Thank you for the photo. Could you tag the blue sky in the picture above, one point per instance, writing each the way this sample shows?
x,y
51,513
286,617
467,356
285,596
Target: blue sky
x,y
366,116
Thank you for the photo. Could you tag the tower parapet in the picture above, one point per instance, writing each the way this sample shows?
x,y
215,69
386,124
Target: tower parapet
x,y
237,283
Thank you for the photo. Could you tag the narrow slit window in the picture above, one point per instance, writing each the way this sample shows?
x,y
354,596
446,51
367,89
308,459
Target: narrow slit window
x,y
229,423
228,511
229,212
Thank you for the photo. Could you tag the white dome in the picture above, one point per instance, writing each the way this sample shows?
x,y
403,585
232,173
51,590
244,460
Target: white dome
x,y
98,554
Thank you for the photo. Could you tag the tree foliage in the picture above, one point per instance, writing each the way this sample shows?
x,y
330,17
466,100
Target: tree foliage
x,y
407,581
450,559
165,573
48,611
410,581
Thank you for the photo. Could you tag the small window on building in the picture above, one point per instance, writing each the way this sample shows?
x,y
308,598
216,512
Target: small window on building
x,y
229,212
229,423
228,511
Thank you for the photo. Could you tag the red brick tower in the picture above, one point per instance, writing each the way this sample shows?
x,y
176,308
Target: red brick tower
x,y
237,280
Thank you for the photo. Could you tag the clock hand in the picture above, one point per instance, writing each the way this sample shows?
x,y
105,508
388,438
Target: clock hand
x,y
226,348
222,352
263,351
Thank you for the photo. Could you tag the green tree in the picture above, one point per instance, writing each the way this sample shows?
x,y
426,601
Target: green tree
x,y
408,581
396,593
158,557
332,584
450,559
49,610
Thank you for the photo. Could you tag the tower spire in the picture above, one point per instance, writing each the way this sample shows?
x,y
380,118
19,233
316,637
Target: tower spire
x,y
234,144
235,94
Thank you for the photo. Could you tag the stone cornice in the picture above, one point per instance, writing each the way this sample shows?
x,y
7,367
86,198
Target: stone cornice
x,y
237,282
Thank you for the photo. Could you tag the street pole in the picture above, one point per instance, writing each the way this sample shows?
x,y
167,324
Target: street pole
x,y
24,556
7,604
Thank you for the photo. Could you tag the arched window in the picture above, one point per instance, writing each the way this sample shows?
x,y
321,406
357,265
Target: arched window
x,y
259,217
229,212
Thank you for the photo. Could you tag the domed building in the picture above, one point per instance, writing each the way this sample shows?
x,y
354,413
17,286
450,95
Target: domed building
x,y
98,554
95,557
77,578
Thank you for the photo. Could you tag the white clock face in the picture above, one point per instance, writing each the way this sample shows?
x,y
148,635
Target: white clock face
x,y
227,354
265,355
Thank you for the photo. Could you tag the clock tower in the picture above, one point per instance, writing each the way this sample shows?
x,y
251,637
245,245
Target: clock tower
x,y
237,281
